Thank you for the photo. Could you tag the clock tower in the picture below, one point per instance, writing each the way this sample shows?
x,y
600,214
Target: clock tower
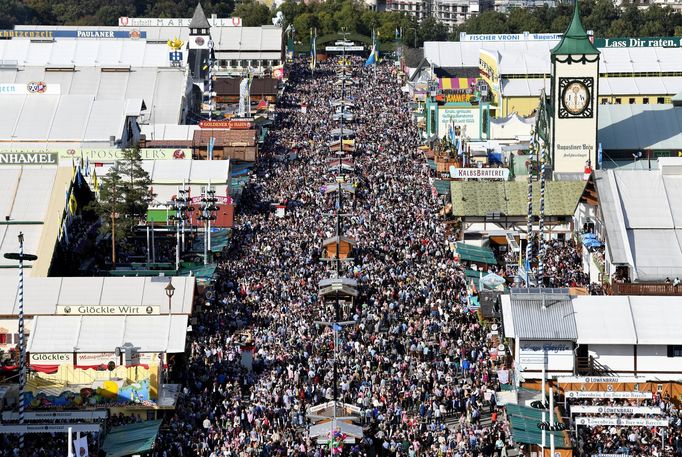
x,y
574,95
199,44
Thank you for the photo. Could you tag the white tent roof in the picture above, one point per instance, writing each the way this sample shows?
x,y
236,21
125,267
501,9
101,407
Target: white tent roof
x,y
617,319
103,334
604,319
42,295
643,219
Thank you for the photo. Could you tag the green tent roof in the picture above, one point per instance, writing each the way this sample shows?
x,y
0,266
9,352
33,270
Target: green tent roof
x,y
524,422
131,439
478,198
476,254
575,39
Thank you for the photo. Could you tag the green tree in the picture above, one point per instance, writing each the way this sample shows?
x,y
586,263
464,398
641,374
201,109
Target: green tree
x,y
124,197
253,13
431,29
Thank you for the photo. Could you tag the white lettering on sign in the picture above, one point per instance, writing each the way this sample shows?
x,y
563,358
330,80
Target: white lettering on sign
x,y
29,158
639,421
103,310
176,22
600,379
479,173
587,394
591,409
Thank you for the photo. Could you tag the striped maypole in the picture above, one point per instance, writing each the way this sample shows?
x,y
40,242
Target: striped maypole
x,y
22,343
541,223
529,228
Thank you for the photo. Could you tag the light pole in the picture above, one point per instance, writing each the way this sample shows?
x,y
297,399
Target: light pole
x,y
20,256
170,291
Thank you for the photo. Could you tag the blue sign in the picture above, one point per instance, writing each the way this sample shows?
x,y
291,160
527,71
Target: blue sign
x,y
106,34
175,56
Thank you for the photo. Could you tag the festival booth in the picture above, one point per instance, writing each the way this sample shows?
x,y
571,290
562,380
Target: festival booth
x,y
341,244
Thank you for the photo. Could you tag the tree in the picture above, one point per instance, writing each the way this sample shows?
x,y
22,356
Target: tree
x,y
253,14
124,198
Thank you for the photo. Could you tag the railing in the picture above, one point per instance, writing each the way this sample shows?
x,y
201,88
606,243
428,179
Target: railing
x,y
644,288
591,367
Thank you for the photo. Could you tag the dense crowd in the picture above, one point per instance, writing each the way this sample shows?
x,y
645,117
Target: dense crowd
x,y
657,441
413,356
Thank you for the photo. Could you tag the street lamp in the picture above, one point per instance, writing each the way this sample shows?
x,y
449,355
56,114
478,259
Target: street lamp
x,y
170,291
20,256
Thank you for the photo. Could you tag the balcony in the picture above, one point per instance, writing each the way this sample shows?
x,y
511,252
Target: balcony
x,y
645,288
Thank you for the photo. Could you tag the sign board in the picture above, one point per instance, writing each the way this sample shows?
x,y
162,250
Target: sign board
x,y
479,173
50,428
112,154
600,379
56,415
344,48
488,67
28,158
525,36
125,21
587,394
641,42
553,355
591,409
224,200
468,119
104,310
57,358
232,124
96,34
30,88
638,421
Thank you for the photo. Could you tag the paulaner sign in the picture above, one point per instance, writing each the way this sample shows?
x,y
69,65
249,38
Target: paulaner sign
x,y
104,310
28,158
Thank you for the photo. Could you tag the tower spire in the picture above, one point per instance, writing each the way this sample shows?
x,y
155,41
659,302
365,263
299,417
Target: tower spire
x,y
575,39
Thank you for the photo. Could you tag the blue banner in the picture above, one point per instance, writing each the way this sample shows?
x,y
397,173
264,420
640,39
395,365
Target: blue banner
x,y
105,34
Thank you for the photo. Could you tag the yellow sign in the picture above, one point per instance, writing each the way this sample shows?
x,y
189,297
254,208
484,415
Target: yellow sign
x,y
488,66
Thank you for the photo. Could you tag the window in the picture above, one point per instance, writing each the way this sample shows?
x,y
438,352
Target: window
x,y
618,101
604,101
631,101
3,338
645,100
234,63
660,100
675,351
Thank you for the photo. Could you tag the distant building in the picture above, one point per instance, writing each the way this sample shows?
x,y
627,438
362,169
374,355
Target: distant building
x,y
503,6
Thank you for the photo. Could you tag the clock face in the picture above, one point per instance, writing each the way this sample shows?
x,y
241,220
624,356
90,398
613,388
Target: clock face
x,y
576,97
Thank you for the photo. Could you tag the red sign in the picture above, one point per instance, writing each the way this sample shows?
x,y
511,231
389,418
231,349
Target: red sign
x,y
231,124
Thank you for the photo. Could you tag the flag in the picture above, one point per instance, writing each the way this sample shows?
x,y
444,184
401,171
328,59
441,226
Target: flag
x,y
81,447
211,145
290,48
95,181
372,59
79,178
73,170
73,204
262,105
313,47
64,234
599,156
87,166
526,265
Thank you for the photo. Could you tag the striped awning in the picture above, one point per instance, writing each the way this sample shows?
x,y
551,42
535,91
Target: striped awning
x,y
456,83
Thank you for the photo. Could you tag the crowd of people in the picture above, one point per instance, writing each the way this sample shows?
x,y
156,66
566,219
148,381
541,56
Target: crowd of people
x,y
414,362
656,441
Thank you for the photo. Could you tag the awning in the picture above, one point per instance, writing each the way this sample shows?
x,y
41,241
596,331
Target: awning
x,y
131,439
524,422
476,254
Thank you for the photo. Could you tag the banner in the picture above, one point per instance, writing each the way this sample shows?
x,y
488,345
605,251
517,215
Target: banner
x,y
125,21
488,66
56,415
231,124
525,36
586,394
615,409
600,379
37,358
99,34
112,154
28,158
639,421
103,310
467,119
50,428
30,88
641,42
479,173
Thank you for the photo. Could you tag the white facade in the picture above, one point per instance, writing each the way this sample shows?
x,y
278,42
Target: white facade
x,y
449,12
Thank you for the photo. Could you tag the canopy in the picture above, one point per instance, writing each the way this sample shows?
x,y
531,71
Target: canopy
x,y
131,439
524,422
476,254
